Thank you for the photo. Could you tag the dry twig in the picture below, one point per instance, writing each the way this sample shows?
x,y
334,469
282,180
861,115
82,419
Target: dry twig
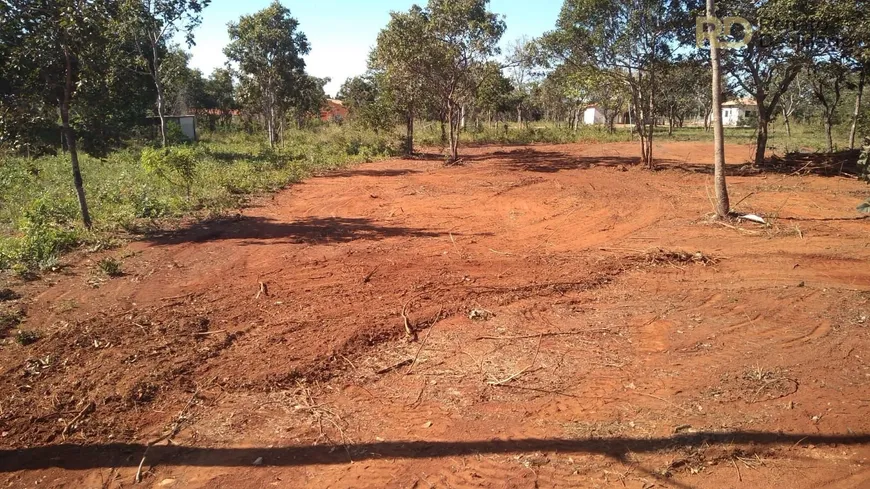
x,y
423,343
521,372
176,427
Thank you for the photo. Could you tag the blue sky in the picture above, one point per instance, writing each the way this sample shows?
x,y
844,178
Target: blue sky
x,y
342,32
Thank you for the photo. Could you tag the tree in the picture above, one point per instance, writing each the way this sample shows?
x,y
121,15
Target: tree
x,y
496,94
367,102
466,36
153,24
771,61
796,99
521,65
828,79
723,206
402,61
307,99
268,48
627,39
220,90
51,49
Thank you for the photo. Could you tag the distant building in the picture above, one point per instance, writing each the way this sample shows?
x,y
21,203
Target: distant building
x,y
334,110
187,123
592,115
739,112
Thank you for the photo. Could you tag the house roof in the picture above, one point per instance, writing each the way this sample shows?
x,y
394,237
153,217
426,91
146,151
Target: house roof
x,y
740,103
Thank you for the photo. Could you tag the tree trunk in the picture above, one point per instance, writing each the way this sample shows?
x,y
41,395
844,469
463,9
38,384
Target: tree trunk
x,y
70,137
761,140
857,112
519,115
785,118
453,120
159,86
409,135
829,138
723,206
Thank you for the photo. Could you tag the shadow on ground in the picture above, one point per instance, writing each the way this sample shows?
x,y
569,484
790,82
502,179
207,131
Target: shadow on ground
x,y
362,172
533,160
312,230
80,457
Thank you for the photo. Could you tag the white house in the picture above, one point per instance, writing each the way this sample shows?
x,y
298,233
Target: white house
x,y
737,112
592,115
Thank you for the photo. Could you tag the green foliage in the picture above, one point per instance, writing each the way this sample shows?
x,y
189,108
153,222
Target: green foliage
x,y
268,48
137,189
110,267
177,165
26,337
864,161
864,167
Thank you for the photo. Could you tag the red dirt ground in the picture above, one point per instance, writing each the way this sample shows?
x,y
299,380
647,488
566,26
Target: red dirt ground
x,y
608,354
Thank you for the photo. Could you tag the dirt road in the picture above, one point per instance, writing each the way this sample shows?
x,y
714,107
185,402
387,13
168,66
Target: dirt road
x,y
619,338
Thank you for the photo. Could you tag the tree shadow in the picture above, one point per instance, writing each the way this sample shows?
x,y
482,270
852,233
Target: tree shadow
x,y
312,230
819,164
534,160
362,172
83,457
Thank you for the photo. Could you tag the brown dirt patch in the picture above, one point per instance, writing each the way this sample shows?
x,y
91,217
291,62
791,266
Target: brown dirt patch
x,y
626,340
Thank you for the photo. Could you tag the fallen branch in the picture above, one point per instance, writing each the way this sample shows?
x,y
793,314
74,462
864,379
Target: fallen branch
x,y
663,400
521,372
544,391
422,343
84,412
263,291
401,364
548,334
176,427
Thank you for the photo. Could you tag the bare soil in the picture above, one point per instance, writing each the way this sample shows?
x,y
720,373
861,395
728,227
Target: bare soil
x,y
579,322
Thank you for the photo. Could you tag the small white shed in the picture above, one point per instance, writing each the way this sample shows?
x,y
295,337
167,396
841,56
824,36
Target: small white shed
x,y
593,116
737,112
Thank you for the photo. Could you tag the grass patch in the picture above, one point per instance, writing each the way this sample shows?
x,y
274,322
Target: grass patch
x,y
110,267
137,187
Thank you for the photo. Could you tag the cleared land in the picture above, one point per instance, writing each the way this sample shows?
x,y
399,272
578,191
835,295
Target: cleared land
x,y
619,339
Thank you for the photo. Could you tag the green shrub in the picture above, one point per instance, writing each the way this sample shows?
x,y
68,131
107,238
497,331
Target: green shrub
x,y
177,165
46,232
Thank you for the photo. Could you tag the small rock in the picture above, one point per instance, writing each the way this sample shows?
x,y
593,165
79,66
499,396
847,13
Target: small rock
x,y
427,424
259,461
167,482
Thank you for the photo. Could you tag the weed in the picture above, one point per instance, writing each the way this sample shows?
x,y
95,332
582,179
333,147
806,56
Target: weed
x,y
10,319
110,266
26,337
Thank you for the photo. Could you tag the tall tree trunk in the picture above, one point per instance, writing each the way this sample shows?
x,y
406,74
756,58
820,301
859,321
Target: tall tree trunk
x,y
857,111
723,206
409,135
70,137
453,120
785,118
159,86
519,115
761,139
829,137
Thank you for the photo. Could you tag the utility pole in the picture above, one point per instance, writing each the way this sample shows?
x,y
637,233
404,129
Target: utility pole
x,y
723,206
